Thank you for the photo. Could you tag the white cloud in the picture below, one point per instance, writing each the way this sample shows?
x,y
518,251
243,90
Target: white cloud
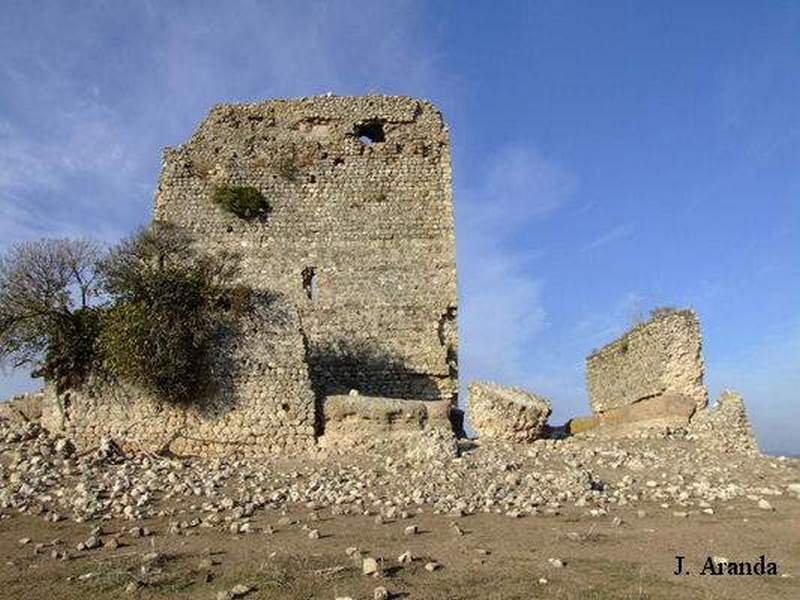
x,y
518,186
502,306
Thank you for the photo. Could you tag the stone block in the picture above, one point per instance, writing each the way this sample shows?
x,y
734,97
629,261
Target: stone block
x,y
666,410
507,412
361,416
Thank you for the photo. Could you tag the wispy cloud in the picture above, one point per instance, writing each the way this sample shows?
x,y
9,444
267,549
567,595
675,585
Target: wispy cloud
x,y
619,232
517,186
503,308
86,114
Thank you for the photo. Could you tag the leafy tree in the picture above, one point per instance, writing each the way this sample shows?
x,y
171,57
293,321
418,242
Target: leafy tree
x,y
46,318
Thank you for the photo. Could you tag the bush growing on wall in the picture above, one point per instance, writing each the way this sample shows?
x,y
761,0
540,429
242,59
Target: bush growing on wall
x,y
245,202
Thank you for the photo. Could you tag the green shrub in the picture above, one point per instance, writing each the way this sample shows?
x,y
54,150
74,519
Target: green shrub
x,y
71,351
169,305
245,202
155,350
166,306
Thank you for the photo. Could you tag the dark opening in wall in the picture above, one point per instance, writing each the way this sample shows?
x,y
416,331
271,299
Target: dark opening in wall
x,y
310,286
370,132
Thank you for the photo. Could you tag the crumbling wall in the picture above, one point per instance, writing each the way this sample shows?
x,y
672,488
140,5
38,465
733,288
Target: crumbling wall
x,y
261,401
725,425
359,235
660,356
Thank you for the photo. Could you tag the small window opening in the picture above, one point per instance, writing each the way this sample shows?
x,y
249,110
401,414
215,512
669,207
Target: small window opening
x,y
370,132
310,285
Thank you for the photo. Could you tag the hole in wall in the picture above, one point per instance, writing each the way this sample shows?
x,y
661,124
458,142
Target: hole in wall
x,y
370,132
310,284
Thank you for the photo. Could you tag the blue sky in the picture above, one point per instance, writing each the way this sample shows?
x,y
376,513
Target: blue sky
x,y
608,157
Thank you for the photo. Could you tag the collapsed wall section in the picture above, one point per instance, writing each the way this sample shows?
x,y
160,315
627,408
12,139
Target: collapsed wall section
x,y
660,356
359,233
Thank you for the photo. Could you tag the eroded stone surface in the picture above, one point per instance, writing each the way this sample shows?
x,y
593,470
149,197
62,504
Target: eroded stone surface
x,y
660,356
507,412
354,414
663,410
354,262
22,408
726,424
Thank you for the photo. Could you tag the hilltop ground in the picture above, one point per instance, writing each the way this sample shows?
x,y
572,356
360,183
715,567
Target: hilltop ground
x,y
576,518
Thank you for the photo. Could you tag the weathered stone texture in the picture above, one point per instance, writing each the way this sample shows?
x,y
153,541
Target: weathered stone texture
x,y
22,408
360,235
507,412
662,355
262,401
354,414
357,247
669,410
726,424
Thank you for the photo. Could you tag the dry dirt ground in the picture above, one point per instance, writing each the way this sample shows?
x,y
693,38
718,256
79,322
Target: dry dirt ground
x,y
619,555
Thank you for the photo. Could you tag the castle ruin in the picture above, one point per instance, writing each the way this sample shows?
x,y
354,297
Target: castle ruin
x,y
659,357
355,260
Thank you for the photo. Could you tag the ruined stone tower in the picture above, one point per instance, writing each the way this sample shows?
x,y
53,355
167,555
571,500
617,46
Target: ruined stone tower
x,y
355,254
359,235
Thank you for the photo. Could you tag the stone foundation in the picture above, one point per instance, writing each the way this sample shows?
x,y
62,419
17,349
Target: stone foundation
x,y
365,415
668,410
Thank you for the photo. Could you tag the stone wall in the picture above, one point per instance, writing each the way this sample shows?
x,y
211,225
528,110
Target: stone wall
x,y
725,425
359,235
662,355
357,248
262,401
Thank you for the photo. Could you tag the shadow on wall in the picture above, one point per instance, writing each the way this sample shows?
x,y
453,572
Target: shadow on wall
x,y
339,366
251,313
